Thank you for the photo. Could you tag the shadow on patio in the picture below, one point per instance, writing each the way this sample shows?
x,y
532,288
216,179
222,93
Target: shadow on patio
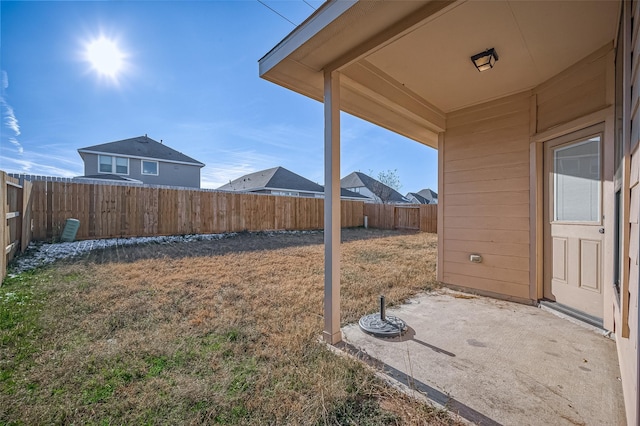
x,y
497,362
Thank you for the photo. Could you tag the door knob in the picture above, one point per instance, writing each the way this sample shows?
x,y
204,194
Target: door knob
x,y
601,230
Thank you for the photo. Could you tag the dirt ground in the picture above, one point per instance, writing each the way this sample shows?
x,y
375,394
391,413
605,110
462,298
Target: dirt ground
x,y
241,242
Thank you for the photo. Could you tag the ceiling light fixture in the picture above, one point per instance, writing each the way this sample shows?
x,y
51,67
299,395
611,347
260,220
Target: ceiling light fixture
x,y
485,60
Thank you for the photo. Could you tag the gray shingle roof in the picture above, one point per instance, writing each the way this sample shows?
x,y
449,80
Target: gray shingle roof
x,y
142,146
279,178
428,193
418,197
425,196
359,179
274,178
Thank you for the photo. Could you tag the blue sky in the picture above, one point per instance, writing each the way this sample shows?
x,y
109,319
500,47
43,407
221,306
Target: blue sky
x,y
190,78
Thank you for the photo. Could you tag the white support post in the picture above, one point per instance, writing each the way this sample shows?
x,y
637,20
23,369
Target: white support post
x,y
332,333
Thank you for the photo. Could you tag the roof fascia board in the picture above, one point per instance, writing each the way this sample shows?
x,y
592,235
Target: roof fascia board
x,y
303,190
292,190
270,188
414,20
261,188
327,13
309,84
128,180
86,151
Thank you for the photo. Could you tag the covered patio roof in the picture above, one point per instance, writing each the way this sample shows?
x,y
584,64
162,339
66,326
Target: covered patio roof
x,y
405,64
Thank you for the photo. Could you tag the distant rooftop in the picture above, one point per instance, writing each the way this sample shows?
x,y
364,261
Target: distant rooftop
x,y
279,178
359,179
143,147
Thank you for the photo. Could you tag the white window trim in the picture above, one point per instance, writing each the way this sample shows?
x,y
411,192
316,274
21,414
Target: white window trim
x,y
164,160
149,174
113,165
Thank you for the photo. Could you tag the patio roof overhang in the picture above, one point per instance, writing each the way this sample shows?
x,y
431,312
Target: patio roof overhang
x,y
405,64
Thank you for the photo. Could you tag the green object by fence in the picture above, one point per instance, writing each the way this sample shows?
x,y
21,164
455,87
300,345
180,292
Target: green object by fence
x,y
70,230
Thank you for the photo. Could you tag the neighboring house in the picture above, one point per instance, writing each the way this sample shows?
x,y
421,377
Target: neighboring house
x,y
372,188
538,153
140,160
426,196
280,181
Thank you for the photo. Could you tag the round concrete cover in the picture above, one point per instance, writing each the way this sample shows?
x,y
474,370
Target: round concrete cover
x,y
389,327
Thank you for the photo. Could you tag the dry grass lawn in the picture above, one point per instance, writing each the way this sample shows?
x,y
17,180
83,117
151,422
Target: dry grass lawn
x,y
220,339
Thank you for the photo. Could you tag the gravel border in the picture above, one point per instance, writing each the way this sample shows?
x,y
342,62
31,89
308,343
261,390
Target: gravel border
x,y
40,254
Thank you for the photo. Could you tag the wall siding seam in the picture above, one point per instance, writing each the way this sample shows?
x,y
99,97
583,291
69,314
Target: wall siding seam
x,y
506,283
471,156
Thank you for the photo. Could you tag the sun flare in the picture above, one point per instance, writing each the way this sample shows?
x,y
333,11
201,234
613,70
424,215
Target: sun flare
x,y
105,57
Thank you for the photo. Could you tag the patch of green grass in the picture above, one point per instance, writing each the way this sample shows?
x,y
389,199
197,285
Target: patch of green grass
x,y
156,365
242,377
232,416
74,276
20,310
97,392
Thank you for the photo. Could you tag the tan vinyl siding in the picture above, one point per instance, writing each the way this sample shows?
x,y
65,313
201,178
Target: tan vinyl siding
x,y
628,347
486,208
574,93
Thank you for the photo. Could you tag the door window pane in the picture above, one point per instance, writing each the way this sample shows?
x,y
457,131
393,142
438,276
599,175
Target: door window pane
x,y
577,181
105,163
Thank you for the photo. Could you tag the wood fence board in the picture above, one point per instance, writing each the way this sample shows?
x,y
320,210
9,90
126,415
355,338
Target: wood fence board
x,y
27,202
412,217
49,210
16,207
126,211
40,225
3,227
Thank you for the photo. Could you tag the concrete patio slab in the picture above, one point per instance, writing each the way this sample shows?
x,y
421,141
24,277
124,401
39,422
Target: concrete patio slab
x,y
497,362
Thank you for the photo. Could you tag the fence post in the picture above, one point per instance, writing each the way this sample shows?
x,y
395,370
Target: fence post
x,y
27,194
3,226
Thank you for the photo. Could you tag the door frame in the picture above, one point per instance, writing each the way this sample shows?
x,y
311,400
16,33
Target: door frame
x,y
549,147
538,192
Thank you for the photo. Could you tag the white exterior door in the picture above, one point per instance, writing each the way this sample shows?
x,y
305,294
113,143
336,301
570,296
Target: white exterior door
x,y
573,268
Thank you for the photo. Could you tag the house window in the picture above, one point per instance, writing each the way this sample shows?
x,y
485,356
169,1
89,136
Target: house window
x,y
150,168
108,163
122,166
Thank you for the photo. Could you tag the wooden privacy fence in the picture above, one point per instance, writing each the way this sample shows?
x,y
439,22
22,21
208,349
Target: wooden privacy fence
x,y
419,217
15,213
107,211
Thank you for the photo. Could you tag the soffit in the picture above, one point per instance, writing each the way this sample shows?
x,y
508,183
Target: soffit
x,y
535,40
407,74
